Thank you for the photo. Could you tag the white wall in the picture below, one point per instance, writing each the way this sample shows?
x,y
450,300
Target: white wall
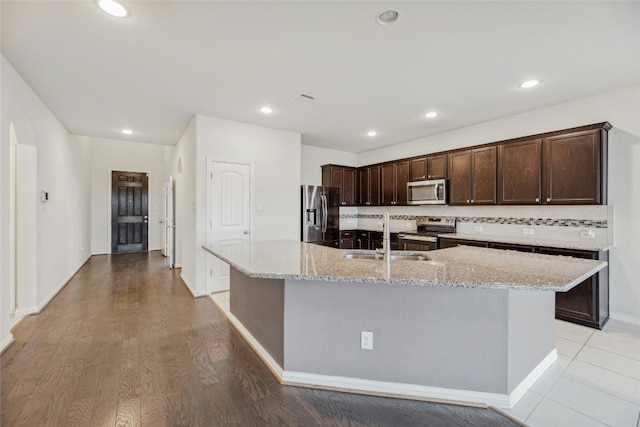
x,y
621,108
62,170
109,155
312,158
184,170
276,158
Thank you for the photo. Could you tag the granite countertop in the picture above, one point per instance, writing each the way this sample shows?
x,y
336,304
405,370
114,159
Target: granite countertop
x,y
548,243
461,266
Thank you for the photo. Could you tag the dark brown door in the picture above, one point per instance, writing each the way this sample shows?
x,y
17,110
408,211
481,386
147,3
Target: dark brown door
x,y
437,167
418,169
519,173
349,186
401,172
571,169
129,211
387,185
483,184
460,178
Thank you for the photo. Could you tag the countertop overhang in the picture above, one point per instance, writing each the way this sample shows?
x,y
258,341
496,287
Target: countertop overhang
x,y
462,266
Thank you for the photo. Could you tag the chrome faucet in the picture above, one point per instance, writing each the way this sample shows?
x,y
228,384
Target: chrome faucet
x,y
386,238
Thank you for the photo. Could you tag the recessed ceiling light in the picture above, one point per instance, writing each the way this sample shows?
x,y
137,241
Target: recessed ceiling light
x,y
388,17
431,114
372,133
266,110
530,83
113,8
127,131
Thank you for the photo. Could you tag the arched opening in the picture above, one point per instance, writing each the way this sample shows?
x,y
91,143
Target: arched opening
x,y
23,210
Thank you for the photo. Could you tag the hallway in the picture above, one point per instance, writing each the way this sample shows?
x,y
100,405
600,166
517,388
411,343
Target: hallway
x,y
124,343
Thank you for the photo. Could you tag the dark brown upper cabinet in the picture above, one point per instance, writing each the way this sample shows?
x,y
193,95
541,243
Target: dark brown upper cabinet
x,y
393,183
573,168
472,176
437,166
428,167
520,173
418,169
369,186
344,178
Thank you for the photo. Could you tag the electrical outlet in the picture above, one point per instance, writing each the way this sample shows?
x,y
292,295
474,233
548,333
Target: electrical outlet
x,y
366,340
527,231
588,234
477,228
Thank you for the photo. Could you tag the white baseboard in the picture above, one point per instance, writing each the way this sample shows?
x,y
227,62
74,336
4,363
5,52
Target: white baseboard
x,y
625,318
6,342
53,293
20,312
533,376
390,389
191,289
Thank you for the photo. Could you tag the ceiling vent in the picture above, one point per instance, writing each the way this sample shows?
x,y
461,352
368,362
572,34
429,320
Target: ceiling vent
x,y
302,99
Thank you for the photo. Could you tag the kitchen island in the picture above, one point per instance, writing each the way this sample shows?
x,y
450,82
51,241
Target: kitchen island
x,y
470,325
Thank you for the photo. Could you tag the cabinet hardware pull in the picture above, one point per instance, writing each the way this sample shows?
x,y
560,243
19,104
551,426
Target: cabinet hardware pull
x,y
548,199
537,199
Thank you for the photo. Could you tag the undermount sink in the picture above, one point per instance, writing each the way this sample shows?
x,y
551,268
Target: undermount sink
x,y
395,256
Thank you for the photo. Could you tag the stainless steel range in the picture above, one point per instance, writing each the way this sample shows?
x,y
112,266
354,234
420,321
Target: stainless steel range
x,y
425,238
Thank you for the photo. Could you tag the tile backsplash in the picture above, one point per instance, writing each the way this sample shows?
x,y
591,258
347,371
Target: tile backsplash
x,y
567,223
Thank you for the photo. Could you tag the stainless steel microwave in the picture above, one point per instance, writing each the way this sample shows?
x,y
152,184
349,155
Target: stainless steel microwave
x,y
433,192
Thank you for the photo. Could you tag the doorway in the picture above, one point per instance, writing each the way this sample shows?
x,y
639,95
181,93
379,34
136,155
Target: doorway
x,y
169,247
23,211
229,193
129,211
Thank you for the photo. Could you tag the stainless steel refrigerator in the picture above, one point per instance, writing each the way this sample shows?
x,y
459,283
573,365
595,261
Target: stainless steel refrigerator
x,y
320,215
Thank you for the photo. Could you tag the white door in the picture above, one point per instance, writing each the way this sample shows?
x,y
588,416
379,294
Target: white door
x,y
168,249
228,214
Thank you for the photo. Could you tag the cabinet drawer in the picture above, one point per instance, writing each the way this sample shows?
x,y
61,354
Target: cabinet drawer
x,y
362,234
347,234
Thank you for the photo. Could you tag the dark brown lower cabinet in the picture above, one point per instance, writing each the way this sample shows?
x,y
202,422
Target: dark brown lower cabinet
x,y
348,239
445,242
585,304
588,302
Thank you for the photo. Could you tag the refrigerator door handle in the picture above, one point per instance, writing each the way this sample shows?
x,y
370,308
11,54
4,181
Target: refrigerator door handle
x,y
324,212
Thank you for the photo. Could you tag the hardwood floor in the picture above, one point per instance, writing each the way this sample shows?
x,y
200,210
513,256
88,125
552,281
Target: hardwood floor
x,y
124,343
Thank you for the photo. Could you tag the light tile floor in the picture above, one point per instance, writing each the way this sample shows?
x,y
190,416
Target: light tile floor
x,y
594,382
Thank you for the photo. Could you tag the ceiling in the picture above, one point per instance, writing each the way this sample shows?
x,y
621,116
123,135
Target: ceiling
x,y
153,70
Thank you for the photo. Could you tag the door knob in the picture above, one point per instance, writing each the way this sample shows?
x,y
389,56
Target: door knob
x,y
246,231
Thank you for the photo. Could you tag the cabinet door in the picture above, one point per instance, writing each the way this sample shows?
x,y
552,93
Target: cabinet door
x,y
400,182
348,187
374,185
387,184
363,187
336,178
483,179
581,302
418,169
520,173
572,166
459,177
437,167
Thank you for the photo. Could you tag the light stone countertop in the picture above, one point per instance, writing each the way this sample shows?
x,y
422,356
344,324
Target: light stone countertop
x,y
547,243
461,266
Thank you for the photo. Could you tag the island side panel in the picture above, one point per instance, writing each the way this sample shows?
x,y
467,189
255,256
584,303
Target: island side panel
x,y
531,332
449,337
259,305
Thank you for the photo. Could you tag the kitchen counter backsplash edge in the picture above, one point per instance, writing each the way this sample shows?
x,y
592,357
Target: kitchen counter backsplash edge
x,y
564,227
